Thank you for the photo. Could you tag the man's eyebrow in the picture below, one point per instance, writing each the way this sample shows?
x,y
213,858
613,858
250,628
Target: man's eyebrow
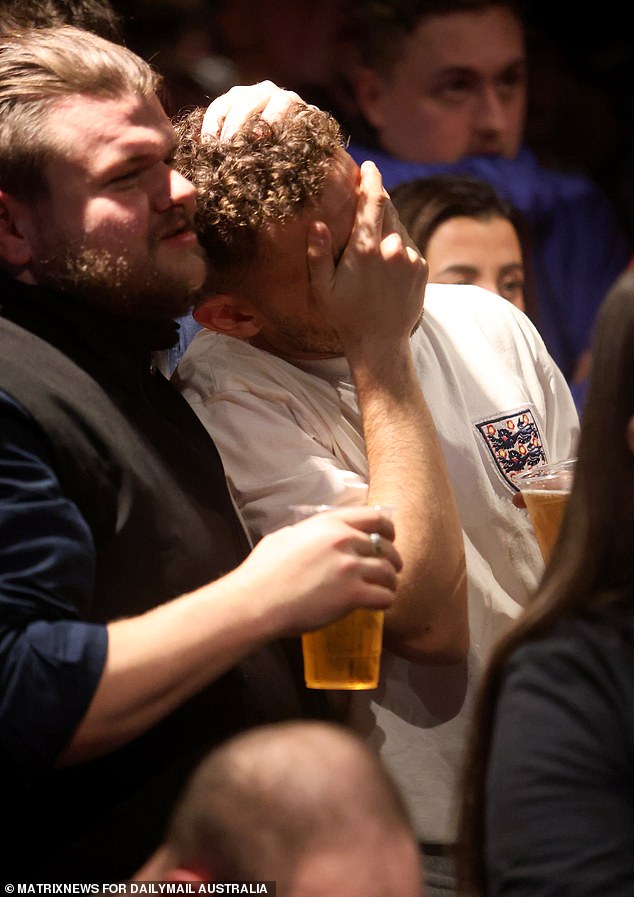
x,y
163,143
465,71
138,153
112,167
455,71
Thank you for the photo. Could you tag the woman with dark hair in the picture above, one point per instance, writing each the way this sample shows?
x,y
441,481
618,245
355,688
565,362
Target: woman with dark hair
x,y
549,786
468,234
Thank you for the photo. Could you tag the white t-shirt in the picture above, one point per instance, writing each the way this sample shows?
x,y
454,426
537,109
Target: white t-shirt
x,y
292,435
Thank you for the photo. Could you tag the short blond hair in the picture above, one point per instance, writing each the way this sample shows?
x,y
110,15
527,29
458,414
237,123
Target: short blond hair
x,y
38,67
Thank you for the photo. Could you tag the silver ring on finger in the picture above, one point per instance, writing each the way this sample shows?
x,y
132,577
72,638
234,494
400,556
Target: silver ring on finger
x,y
375,542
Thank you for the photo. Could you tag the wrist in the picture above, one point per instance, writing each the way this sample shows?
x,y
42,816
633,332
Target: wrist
x,y
384,365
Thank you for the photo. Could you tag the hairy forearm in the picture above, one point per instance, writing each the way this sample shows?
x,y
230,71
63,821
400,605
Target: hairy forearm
x,y
160,659
374,299
407,470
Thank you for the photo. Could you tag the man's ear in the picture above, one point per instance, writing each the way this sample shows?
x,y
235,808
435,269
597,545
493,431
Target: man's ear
x,y
369,95
229,314
15,247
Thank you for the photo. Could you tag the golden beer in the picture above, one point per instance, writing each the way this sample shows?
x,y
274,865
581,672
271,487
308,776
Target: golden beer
x,y
546,490
546,510
345,654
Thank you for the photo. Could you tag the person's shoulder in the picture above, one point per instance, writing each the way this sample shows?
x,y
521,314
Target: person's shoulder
x,y
583,669
532,186
481,336
467,294
596,646
393,171
213,361
464,306
217,364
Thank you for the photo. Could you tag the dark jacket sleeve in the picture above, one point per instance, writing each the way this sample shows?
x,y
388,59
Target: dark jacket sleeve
x,y
50,659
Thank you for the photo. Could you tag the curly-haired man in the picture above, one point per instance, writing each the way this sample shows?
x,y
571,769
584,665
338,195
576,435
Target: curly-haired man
x,y
321,403
237,195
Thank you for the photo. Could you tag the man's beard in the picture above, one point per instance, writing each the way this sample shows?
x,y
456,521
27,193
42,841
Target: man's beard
x,y
112,282
302,339
305,340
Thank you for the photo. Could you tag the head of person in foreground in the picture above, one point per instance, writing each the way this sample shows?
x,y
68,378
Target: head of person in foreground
x,y
305,804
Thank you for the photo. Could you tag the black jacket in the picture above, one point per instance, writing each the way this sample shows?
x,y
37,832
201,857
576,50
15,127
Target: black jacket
x,y
146,478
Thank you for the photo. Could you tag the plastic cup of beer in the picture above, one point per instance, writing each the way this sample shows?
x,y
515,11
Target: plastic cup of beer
x,y
546,490
345,654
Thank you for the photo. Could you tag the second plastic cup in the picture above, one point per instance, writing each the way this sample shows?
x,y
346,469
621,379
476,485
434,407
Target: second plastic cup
x,y
546,490
345,654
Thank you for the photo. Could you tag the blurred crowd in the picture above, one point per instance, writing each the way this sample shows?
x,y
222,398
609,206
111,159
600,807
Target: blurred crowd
x,y
580,115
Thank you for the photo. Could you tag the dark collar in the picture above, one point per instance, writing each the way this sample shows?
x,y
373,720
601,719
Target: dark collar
x,y
87,334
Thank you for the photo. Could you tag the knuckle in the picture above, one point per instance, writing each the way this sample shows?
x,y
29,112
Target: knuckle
x,y
382,200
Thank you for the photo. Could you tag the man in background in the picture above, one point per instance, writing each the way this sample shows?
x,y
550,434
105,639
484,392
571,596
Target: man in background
x,y
441,86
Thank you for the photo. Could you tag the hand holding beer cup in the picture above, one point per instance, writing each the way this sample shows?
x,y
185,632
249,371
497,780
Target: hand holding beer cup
x,y
545,491
345,654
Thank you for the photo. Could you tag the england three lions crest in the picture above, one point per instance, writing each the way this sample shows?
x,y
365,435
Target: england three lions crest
x,y
514,442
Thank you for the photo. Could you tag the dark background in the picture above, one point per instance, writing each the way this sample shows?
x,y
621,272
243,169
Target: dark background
x,y
581,94
581,84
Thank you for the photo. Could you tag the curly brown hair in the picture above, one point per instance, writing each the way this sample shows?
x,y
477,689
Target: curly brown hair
x,y
264,174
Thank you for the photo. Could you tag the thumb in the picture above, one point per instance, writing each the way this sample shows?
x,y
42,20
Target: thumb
x,y
321,265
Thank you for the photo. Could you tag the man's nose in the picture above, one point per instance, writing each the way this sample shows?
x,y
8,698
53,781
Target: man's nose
x,y
492,109
175,190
